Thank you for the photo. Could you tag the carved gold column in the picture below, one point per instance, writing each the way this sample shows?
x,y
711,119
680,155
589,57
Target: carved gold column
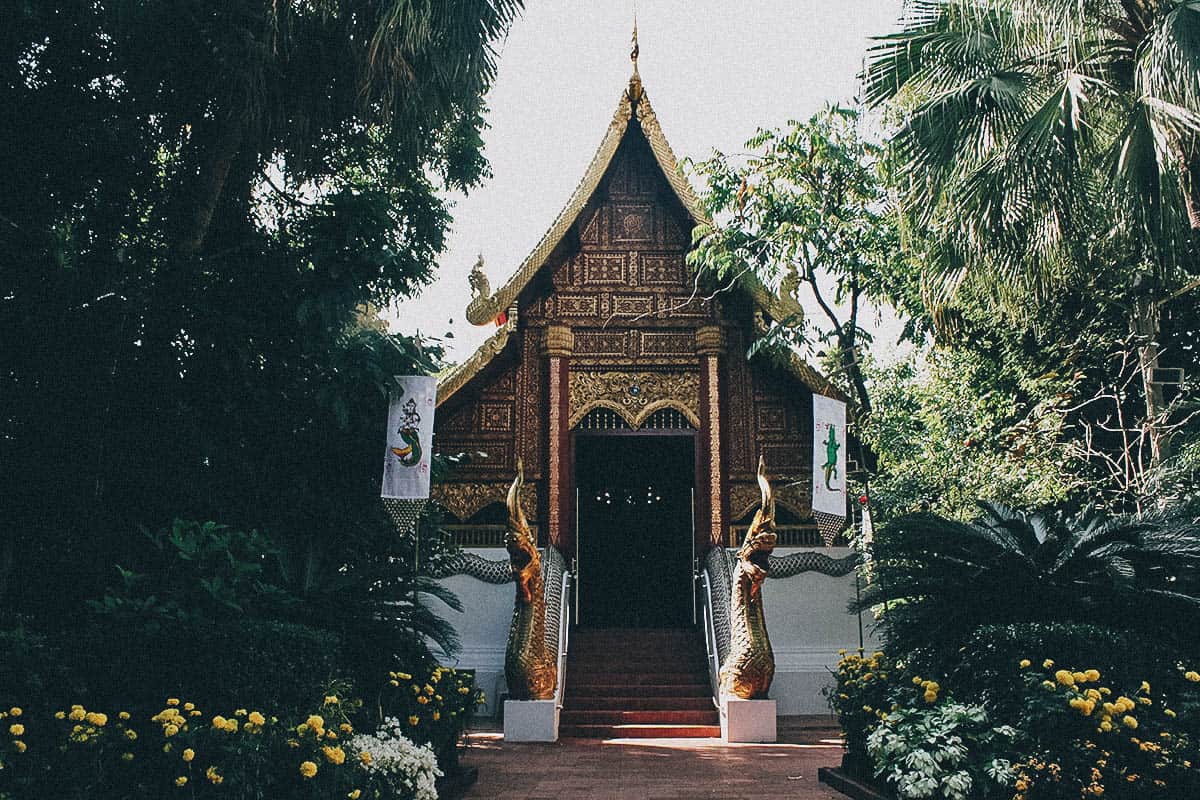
x,y
710,346
557,347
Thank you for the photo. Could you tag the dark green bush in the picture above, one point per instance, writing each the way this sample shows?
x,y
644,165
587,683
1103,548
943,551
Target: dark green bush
x,y
237,663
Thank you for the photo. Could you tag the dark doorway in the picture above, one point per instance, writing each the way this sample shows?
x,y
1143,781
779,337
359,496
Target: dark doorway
x,y
635,529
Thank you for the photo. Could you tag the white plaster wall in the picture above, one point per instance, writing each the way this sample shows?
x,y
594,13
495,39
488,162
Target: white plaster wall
x,y
482,627
808,623
806,618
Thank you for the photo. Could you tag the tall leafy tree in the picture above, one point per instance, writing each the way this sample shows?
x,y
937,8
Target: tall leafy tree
x,y
805,210
1040,141
204,204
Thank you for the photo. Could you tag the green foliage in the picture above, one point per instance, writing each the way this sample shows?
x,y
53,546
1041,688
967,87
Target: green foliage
x,y
82,752
942,578
1038,138
950,427
805,207
201,570
194,260
950,750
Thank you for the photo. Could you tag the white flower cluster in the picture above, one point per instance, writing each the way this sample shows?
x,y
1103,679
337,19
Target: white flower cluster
x,y
409,771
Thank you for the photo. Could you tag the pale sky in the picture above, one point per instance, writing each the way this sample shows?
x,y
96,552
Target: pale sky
x,y
715,72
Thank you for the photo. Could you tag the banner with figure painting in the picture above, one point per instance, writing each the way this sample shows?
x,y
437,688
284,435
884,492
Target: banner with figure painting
x,y
829,466
409,451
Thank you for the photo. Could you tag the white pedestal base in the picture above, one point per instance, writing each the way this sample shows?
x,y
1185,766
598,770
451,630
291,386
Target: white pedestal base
x,y
747,720
530,721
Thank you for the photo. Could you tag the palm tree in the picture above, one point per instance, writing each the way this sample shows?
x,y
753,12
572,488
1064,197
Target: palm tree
x,y
940,579
1038,138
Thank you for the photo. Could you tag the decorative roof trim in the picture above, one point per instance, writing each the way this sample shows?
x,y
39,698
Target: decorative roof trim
x,y
458,376
485,308
633,104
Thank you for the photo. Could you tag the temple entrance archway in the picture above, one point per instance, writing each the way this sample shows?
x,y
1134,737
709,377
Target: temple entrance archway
x,y
635,521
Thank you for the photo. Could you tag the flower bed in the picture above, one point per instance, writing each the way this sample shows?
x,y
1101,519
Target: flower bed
x,y
1068,733
186,750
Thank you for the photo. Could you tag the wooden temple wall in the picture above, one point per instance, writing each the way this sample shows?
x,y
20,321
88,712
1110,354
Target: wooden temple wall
x,y
615,322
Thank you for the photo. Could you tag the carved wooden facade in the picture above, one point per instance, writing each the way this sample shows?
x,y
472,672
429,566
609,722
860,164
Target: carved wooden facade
x,y
606,314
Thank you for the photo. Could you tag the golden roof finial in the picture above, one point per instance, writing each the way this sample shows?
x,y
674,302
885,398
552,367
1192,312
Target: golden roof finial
x,y
633,53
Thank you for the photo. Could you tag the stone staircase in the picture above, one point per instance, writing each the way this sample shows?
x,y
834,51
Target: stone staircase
x,y
633,683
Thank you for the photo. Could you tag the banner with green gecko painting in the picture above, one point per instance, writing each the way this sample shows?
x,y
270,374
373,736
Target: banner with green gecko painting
x,y
829,465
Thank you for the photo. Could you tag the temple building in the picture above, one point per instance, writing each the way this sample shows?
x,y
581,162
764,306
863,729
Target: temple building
x,y
624,390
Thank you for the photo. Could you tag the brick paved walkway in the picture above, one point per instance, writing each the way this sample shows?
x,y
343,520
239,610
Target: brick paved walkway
x,y
659,769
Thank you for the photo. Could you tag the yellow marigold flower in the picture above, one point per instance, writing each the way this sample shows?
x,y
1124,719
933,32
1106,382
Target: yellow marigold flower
x,y
315,721
241,712
334,755
1079,677
293,743
1047,664
422,699
930,696
1192,676
437,697
231,726
413,720
364,757
428,689
1170,713
189,754
170,730
19,745
464,690
17,730
256,718
331,700
308,769
195,712
404,676
1092,675
181,780
16,711
1130,722
77,713
60,715
1025,663
357,793
1049,686
213,776
189,706
218,722
167,747
172,701
437,715
131,735
1064,677
127,757
346,727
97,719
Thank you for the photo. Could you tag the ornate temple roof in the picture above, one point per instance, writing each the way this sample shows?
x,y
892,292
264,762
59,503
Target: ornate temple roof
x,y
500,306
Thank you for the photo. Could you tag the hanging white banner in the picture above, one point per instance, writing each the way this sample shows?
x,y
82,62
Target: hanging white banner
x,y
829,456
410,438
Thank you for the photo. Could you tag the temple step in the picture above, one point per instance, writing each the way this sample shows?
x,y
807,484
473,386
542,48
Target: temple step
x,y
576,689
631,683
657,703
639,731
648,717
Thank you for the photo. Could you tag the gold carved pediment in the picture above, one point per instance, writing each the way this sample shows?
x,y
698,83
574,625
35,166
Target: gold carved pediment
x,y
465,500
634,395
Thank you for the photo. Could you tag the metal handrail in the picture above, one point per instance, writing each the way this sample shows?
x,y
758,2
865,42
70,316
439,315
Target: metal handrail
x,y
710,641
564,635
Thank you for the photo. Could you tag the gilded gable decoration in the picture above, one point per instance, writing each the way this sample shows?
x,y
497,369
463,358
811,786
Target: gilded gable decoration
x,y
634,395
465,500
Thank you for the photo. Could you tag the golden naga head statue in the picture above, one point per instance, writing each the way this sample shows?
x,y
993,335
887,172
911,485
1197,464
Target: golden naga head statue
x,y
760,538
523,554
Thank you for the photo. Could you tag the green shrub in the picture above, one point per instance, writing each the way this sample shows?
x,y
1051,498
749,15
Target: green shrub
x,y
948,750
230,663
